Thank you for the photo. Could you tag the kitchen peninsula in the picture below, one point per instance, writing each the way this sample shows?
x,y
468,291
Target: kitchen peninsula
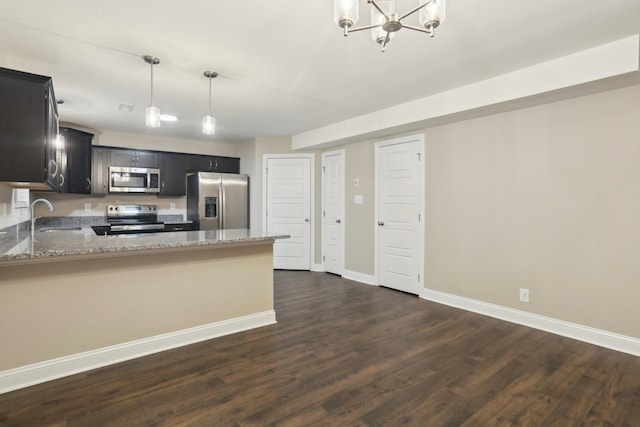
x,y
71,301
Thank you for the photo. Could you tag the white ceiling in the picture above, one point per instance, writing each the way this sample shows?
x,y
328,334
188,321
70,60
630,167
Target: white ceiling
x,y
285,66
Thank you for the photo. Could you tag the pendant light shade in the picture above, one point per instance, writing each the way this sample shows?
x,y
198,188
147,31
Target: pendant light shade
x,y
152,114
209,125
208,121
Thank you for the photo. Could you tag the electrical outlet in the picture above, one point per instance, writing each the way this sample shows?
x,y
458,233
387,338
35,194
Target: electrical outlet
x,y
524,295
173,206
87,207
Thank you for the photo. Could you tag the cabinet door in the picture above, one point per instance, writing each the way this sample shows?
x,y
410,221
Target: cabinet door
x,y
121,157
77,146
100,170
173,172
134,158
146,159
227,164
23,112
54,152
199,163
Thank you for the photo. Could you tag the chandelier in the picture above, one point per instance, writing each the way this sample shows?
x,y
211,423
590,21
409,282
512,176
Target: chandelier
x,y
385,22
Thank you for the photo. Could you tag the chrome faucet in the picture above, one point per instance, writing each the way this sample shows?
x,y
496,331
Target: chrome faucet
x,y
33,217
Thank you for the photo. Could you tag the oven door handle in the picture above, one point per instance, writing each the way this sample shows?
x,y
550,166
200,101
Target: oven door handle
x,y
137,227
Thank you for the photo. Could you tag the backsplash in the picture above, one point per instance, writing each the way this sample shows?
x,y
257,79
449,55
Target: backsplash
x,y
81,205
9,215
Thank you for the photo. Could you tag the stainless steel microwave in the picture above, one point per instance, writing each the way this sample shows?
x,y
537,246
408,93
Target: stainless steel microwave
x,y
133,180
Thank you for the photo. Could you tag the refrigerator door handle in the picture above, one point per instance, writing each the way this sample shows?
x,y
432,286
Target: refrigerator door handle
x,y
222,209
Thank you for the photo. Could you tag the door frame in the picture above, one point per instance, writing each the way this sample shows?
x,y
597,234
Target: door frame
x,y
421,201
343,153
312,213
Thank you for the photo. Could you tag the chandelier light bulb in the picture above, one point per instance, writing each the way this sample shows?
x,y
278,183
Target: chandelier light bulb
x,y
433,14
346,13
378,33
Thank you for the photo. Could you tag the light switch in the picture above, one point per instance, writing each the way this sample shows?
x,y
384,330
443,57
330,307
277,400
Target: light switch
x,y
87,207
358,199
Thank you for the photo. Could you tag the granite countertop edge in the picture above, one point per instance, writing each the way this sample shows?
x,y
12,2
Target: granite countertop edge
x,y
74,244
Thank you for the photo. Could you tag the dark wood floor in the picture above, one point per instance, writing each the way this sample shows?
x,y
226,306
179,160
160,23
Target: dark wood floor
x,y
349,354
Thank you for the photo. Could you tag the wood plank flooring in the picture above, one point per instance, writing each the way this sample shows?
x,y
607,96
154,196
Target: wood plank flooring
x,y
348,354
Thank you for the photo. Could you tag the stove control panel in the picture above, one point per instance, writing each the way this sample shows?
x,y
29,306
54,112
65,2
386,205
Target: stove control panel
x,y
131,210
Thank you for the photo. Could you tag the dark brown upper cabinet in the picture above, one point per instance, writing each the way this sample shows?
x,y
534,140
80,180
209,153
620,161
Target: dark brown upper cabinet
x,y
200,163
173,174
29,155
77,168
134,158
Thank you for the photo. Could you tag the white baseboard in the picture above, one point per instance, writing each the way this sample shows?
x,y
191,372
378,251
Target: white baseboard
x,y
37,373
359,277
317,268
598,337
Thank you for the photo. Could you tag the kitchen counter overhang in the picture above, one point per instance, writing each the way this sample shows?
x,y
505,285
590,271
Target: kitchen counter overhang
x,y
84,243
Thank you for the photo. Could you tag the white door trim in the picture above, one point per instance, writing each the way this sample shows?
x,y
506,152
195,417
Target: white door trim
x,y
421,197
341,152
311,157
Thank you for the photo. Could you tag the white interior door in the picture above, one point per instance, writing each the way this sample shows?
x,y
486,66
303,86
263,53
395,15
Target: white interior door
x,y
333,211
400,233
288,211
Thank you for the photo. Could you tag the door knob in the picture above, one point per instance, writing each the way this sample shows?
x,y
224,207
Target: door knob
x,y
381,224
306,220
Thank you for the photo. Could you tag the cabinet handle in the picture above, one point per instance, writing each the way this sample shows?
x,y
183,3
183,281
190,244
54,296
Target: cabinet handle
x,y
104,186
306,220
338,221
88,183
55,171
61,180
381,224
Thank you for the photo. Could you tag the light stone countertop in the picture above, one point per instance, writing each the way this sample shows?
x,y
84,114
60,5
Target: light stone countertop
x,y
71,244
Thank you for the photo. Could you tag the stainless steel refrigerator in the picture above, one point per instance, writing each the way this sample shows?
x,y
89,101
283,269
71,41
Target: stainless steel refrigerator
x,y
217,201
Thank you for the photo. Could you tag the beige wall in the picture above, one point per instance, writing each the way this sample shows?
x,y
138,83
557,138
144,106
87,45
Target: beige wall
x,y
68,307
544,198
359,242
160,143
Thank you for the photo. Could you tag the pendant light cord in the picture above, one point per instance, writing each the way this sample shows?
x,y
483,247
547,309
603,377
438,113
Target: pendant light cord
x,y
151,65
210,95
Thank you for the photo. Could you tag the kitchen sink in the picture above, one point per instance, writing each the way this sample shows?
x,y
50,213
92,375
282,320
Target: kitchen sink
x,y
51,229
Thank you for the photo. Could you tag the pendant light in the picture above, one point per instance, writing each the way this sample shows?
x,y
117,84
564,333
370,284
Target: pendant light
x,y
208,121
152,113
